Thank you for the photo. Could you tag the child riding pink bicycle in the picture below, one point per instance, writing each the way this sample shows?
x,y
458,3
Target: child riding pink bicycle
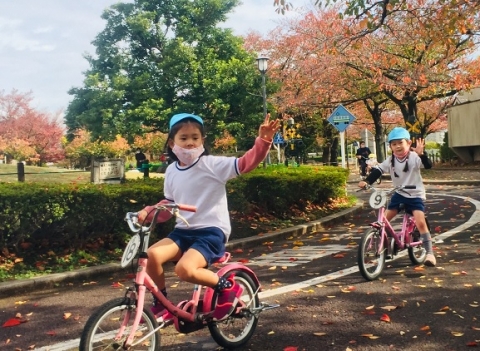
x,y
404,167
230,303
198,179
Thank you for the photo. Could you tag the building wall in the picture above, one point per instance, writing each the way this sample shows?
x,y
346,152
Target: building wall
x,y
464,130
464,124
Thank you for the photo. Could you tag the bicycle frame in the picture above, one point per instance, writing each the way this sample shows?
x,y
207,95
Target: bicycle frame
x,y
143,283
402,238
381,241
124,323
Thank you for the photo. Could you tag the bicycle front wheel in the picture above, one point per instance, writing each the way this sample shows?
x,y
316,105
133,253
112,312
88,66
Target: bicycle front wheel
x,y
371,257
238,328
109,327
417,254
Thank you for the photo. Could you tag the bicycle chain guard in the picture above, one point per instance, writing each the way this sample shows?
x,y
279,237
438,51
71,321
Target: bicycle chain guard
x,y
183,326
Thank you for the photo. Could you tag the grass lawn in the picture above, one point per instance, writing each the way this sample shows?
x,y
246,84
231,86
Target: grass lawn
x,y
8,173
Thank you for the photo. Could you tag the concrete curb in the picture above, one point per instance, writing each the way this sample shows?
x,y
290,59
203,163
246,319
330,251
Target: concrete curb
x,y
48,281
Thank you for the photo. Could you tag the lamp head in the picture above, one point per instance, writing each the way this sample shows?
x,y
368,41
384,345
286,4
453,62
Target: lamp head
x,y
262,63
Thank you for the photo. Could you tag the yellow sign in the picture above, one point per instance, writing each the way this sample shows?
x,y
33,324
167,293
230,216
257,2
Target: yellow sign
x,y
413,128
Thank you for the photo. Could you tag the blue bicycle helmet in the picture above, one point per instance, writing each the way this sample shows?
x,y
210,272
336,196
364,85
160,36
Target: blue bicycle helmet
x,y
398,133
181,116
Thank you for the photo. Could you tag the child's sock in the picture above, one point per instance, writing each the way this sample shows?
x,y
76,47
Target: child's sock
x,y
222,284
427,242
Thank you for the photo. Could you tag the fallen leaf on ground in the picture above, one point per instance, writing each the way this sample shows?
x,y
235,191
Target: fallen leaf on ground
x,y
385,318
12,322
389,308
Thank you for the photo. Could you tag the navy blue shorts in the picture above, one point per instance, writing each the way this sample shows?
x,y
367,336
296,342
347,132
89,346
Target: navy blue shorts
x,y
411,204
210,242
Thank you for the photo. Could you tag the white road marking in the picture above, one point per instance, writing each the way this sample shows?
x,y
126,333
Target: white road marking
x,y
294,257
474,219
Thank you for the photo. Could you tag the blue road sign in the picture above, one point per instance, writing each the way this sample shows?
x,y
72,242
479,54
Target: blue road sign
x,y
278,139
341,118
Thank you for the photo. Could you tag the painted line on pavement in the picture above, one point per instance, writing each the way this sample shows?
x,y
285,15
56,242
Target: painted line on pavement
x,y
473,220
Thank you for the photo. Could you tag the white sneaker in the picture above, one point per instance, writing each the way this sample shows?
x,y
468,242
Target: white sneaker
x,y
430,260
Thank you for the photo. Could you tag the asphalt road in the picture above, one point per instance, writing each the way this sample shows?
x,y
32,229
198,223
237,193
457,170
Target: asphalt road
x,y
325,304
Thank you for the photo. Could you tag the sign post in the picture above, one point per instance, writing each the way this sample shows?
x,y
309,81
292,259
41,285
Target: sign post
x,y
341,118
108,171
277,142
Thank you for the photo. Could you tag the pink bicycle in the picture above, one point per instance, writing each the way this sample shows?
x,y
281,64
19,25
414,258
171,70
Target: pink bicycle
x,y
128,324
381,240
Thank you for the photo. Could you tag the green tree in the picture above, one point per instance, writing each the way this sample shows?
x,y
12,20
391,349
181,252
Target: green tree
x,y
157,58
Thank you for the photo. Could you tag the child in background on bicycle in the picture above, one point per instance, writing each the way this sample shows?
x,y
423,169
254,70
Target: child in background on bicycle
x,y
404,167
199,179
362,155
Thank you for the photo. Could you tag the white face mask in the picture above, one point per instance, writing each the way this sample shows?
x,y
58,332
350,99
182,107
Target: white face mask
x,y
187,156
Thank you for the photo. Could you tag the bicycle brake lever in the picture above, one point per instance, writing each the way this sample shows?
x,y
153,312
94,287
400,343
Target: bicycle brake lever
x,y
177,214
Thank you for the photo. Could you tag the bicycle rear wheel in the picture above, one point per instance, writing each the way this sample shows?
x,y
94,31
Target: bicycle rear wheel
x,y
103,326
371,257
238,328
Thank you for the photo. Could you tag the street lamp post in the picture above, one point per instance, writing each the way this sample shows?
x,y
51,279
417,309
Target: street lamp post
x,y
262,67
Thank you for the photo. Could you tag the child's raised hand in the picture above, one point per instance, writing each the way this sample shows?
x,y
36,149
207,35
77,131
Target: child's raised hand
x,y
419,147
268,128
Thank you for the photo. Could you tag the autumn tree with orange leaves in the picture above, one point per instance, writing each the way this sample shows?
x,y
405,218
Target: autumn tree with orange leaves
x,y
417,56
27,134
370,16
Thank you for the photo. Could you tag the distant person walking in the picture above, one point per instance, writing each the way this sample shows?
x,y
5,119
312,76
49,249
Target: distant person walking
x,y
362,155
140,157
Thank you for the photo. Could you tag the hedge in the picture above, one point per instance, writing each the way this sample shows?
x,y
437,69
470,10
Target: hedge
x,y
74,214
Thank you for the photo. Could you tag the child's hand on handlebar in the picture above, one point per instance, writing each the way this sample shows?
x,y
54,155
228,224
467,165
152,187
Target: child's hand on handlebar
x,y
146,215
142,215
362,184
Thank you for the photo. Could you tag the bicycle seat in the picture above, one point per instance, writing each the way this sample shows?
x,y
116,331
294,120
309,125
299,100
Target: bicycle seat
x,y
402,208
225,258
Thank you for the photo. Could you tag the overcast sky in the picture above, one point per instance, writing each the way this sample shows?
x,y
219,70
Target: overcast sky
x,y
42,43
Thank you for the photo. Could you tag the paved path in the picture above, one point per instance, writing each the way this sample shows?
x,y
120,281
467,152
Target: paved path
x,y
325,303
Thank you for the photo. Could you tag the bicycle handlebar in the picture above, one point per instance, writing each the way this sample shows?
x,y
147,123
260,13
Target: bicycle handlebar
x,y
400,187
132,217
189,208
